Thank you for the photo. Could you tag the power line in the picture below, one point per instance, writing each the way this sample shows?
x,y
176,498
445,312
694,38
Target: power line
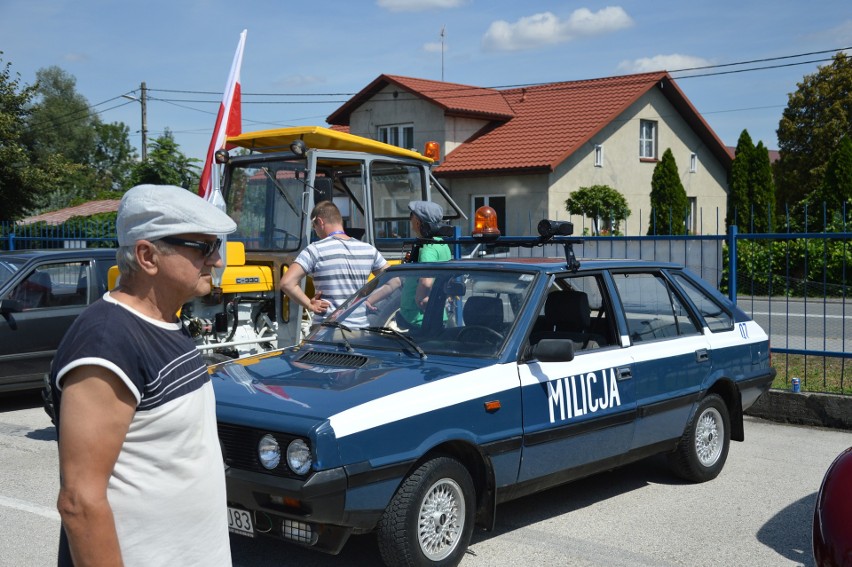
x,y
456,91
520,85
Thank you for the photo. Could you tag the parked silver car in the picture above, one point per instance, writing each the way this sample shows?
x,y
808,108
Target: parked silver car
x,y
41,293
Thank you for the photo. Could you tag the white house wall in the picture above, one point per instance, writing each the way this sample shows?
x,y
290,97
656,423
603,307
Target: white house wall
x,y
622,169
385,109
527,199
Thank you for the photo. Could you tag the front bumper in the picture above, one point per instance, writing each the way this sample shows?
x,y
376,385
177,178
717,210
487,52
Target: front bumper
x,y
319,501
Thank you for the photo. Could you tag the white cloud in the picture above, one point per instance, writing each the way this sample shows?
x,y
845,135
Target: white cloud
x,y
840,34
418,5
671,62
546,28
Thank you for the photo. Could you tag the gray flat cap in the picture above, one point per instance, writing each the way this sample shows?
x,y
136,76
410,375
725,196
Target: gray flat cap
x,y
150,212
427,211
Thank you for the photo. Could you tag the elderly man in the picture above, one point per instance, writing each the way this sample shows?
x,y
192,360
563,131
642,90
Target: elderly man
x,y
141,474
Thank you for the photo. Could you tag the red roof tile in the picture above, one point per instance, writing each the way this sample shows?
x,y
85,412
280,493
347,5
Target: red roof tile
x,y
551,122
456,99
84,210
535,128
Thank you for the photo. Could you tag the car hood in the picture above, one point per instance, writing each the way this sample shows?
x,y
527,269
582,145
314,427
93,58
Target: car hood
x,y
312,384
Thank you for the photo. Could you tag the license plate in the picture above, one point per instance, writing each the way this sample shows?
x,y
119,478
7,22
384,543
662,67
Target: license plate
x,y
239,522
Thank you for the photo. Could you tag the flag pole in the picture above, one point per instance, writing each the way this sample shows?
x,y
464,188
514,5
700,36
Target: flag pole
x,y
228,123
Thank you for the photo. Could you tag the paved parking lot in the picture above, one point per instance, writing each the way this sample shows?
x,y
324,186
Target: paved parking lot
x,y
757,512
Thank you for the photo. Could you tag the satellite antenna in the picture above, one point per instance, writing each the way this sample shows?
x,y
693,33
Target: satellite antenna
x,y
443,33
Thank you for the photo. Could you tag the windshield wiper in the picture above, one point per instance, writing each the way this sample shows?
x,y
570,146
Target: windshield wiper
x,y
395,333
342,327
280,189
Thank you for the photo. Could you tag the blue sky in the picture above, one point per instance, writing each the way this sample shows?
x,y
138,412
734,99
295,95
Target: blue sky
x,y
320,53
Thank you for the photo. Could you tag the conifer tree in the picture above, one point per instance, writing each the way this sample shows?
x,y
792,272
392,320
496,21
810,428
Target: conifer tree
x,y
669,203
739,210
762,190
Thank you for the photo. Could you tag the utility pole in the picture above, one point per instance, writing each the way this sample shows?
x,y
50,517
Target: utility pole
x,y
143,101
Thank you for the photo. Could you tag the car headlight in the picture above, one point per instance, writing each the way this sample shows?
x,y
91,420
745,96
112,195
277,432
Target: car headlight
x,y
299,456
269,452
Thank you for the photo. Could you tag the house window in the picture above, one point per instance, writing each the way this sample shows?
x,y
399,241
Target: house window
x,y
648,139
598,155
693,162
692,215
401,135
496,202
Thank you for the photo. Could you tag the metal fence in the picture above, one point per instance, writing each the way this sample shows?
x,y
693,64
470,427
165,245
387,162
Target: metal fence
x,y
793,284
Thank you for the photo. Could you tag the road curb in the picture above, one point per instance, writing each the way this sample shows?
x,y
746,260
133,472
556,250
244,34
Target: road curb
x,y
822,410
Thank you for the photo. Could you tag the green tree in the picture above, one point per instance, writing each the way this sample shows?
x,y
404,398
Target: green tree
x,y
114,157
166,165
61,121
599,202
95,158
817,117
739,183
762,190
836,188
22,181
669,204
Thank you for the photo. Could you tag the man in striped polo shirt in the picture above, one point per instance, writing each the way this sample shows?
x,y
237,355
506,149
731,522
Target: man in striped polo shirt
x,y
339,264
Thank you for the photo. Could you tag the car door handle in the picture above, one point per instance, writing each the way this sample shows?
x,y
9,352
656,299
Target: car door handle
x,y
624,373
701,355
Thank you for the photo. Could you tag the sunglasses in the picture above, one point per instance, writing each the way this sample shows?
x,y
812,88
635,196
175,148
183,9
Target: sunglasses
x,y
207,248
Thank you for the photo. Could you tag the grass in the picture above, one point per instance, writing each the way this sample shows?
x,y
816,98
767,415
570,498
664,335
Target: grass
x,y
816,373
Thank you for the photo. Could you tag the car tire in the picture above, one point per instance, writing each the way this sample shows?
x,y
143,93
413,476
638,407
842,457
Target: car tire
x,y
703,449
429,521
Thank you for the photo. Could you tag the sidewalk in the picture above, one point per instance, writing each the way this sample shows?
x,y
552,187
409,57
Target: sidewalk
x,y
822,410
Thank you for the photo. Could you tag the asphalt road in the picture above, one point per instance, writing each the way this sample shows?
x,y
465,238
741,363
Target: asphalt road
x,y
797,324
757,512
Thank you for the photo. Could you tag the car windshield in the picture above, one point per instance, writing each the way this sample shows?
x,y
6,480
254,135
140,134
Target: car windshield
x,y
8,267
431,311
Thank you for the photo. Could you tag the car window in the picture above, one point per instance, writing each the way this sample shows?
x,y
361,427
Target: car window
x,y
53,285
467,312
714,314
651,308
9,267
576,309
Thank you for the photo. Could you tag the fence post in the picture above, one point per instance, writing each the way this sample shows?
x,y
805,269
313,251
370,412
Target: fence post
x,y
11,241
732,264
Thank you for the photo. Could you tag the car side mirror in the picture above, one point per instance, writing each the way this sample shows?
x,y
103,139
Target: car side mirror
x,y
552,350
9,306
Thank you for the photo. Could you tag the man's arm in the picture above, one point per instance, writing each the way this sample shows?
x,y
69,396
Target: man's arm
x,y
421,294
380,293
290,284
96,411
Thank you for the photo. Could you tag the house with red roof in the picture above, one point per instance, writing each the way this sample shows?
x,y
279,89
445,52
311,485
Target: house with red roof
x,y
524,150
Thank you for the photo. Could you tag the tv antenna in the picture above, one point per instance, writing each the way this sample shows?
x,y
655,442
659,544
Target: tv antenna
x,y
443,33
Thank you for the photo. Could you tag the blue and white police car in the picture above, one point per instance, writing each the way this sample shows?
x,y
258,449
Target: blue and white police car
x,y
516,376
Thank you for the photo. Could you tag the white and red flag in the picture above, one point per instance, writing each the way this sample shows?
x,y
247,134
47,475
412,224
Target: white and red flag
x,y
228,123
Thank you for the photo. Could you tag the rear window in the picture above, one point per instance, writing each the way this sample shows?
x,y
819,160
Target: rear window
x,y
714,314
652,309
